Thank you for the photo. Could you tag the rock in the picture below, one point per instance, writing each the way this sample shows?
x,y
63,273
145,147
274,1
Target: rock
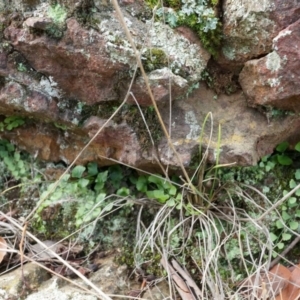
x,y
159,81
246,135
250,26
110,279
273,81
67,86
84,68
38,23
106,55
12,282
160,291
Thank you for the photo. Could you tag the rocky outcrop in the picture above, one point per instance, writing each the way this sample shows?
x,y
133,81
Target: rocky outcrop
x,y
250,26
273,81
65,74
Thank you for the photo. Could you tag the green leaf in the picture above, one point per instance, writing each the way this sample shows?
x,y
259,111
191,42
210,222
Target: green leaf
x,y
109,206
282,147
3,153
297,213
270,165
297,147
297,193
21,164
159,181
280,246
78,171
10,147
292,200
83,182
123,191
172,190
266,189
171,202
284,160
115,176
92,169
66,177
294,225
292,184
17,155
100,197
158,195
100,181
286,236
96,213
141,184
285,216
78,222
273,237
14,124
265,158
297,174
279,224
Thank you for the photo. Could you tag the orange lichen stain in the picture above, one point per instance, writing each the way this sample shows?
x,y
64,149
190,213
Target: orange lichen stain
x,y
252,125
237,138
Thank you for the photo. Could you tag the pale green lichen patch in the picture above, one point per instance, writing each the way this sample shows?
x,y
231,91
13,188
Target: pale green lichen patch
x,y
190,119
183,54
117,46
57,13
49,86
273,82
247,28
273,62
177,53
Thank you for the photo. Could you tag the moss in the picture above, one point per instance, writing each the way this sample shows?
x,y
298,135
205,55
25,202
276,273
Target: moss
x,y
153,3
209,33
55,31
56,222
57,13
211,39
154,58
133,117
175,4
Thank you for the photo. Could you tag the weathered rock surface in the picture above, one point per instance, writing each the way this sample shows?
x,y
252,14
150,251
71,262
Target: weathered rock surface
x,y
273,81
66,86
110,279
250,26
92,65
246,135
12,283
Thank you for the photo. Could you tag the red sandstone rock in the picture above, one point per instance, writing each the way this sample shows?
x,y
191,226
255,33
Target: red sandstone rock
x,y
250,26
274,79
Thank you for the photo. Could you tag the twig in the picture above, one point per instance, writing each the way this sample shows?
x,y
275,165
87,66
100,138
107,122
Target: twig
x,y
21,248
99,292
285,252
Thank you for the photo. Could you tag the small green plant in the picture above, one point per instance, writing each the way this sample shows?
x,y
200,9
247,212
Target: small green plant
x,y
158,188
13,160
57,13
21,67
11,123
60,126
154,58
199,16
275,179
